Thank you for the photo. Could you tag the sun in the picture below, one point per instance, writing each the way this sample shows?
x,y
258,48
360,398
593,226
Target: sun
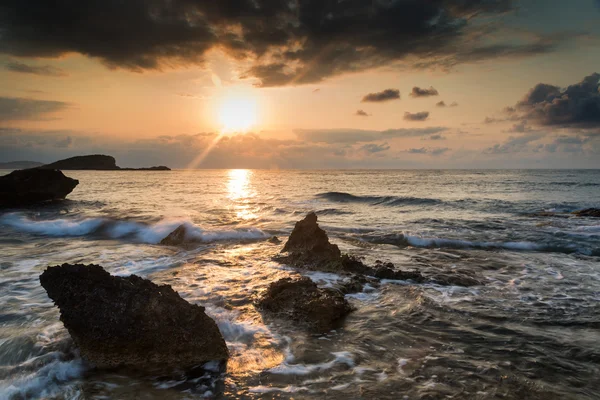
x,y
237,113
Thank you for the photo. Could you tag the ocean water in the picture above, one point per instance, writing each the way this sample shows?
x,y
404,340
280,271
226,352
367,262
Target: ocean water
x,y
531,331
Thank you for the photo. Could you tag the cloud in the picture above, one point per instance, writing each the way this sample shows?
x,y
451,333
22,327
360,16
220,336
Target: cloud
x,y
514,144
437,151
350,136
419,116
386,95
418,92
520,127
284,42
576,106
16,108
436,137
361,113
440,104
316,90
454,104
44,70
375,148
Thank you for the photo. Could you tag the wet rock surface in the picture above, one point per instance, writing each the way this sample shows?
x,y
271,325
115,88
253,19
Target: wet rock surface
x,y
32,186
130,321
588,212
300,300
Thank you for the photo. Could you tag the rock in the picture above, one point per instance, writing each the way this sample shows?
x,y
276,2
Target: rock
x,y
96,162
387,272
308,238
274,240
130,321
30,186
302,301
588,212
176,238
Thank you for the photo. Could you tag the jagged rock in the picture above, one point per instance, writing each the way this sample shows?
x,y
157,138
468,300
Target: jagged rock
x,y
30,186
309,243
130,321
176,238
274,240
302,301
588,212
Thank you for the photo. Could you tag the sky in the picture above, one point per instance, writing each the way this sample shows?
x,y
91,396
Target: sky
x,y
302,83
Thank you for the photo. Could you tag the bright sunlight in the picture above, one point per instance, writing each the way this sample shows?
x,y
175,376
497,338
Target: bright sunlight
x,y
237,113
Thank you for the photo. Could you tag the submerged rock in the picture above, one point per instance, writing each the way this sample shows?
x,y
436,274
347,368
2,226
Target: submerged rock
x,y
130,321
588,212
31,186
302,301
274,240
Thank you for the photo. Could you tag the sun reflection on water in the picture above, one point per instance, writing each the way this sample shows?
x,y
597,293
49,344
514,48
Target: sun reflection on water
x,y
240,190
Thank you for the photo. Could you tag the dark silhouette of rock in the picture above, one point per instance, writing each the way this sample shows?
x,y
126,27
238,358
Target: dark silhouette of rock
x,y
130,321
588,212
96,162
30,186
176,238
302,301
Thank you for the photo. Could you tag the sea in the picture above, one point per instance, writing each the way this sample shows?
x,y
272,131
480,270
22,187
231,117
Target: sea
x,y
531,330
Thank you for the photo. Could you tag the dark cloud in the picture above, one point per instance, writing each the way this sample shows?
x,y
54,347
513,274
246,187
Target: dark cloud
x,y
387,94
440,104
285,42
349,136
419,92
375,148
576,106
514,144
436,137
16,108
437,151
361,113
419,116
44,70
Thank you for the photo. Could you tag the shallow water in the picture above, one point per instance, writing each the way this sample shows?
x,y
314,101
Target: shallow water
x,y
531,332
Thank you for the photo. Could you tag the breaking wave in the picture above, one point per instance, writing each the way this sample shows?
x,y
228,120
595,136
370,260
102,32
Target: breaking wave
x,y
117,229
342,197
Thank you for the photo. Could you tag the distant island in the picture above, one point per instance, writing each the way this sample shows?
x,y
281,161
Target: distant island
x,y
20,165
95,162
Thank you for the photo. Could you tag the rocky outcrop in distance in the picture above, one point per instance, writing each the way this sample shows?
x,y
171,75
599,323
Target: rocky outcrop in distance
x,y
130,321
95,162
32,186
301,301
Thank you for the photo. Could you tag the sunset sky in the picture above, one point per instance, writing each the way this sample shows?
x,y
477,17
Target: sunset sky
x,y
303,84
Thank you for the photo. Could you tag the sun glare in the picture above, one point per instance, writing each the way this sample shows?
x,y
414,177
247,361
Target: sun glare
x,y
237,114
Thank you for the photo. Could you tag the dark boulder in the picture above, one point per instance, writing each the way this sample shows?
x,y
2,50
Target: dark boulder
x,y
130,321
302,301
31,186
274,240
588,212
176,238
309,240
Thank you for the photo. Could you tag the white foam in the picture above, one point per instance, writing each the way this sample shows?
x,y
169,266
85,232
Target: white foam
x,y
341,358
57,227
418,241
43,383
271,389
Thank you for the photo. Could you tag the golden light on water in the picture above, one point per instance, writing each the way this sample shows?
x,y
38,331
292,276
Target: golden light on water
x,y
240,190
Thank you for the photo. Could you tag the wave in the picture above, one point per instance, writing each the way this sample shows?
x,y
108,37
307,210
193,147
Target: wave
x,y
342,197
116,229
403,240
